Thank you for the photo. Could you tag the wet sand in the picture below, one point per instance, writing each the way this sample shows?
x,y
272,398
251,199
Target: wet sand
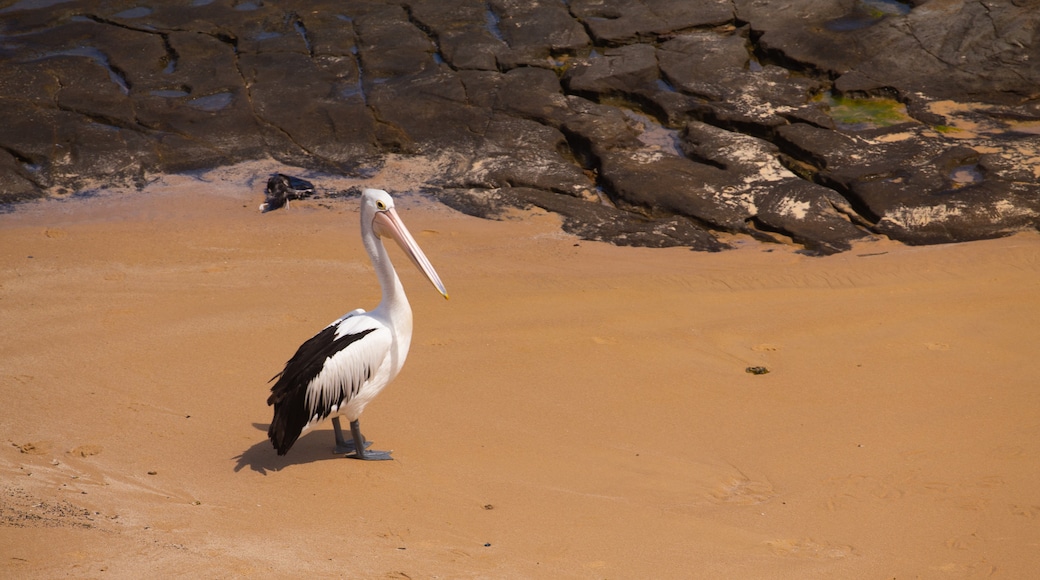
x,y
576,410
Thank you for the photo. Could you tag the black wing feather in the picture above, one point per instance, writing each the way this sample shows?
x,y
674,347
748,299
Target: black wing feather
x,y
289,394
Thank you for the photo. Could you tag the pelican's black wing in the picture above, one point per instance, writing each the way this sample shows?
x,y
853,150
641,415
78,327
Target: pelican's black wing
x,y
299,399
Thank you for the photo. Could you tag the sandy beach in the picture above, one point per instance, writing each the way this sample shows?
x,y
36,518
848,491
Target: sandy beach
x,y
575,410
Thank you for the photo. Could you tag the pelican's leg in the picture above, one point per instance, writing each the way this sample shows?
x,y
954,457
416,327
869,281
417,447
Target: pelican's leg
x,y
360,445
342,445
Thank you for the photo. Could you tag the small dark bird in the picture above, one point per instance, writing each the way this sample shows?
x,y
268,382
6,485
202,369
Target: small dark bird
x,y
281,189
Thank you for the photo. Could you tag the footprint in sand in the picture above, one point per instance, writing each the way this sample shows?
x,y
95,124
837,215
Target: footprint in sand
x,y
743,491
85,450
766,347
1025,511
55,233
808,548
961,543
35,447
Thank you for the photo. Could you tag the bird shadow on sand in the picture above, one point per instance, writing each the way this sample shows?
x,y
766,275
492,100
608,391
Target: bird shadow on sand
x,y
261,457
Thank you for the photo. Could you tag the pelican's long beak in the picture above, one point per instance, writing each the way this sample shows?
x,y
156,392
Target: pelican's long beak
x,y
388,224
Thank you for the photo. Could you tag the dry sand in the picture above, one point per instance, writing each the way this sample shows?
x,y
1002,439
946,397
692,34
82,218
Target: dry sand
x,y
576,410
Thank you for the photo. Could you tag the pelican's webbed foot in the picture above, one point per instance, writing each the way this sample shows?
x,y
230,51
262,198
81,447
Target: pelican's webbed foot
x,y
344,446
359,446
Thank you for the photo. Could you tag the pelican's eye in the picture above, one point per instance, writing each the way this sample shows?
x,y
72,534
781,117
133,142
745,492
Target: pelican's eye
x,y
380,205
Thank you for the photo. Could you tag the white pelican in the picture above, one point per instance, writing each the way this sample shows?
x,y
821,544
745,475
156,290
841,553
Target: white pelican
x,y
343,367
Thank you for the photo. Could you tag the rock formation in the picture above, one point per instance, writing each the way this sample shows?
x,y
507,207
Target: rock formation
x,y
641,122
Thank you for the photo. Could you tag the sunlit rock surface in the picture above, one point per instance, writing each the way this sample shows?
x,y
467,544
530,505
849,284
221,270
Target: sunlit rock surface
x,y
651,123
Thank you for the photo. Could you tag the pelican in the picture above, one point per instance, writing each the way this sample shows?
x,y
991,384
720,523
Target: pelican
x,y
342,368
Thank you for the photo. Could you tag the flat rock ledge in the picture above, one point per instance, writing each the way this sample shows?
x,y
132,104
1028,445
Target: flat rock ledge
x,y
651,123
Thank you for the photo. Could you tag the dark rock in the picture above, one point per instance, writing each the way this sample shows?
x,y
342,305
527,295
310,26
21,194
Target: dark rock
x,y
619,72
812,215
462,33
652,181
426,113
958,50
531,93
536,31
311,110
19,184
917,189
390,46
591,221
520,153
774,198
651,123
597,129
690,61
617,22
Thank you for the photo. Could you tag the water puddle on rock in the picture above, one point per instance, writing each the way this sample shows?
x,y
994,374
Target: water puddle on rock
x,y
212,103
654,135
491,21
32,5
136,12
862,114
169,93
867,13
965,175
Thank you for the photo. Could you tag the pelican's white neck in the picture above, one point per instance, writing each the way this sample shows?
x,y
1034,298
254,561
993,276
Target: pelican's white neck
x,y
393,296
393,307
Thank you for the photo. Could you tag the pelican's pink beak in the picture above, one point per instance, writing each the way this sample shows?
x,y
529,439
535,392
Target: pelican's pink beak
x,y
388,224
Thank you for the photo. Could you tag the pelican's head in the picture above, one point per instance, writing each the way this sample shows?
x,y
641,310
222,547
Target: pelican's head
x,y
379,217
